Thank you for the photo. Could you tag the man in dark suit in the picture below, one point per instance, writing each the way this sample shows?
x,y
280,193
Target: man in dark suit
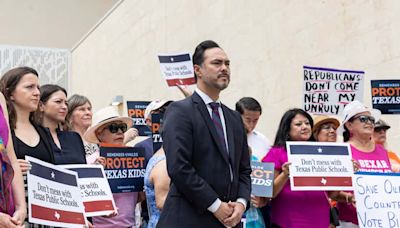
x,y
206,149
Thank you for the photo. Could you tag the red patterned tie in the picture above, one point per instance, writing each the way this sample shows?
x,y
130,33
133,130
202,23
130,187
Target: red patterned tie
x,y
216,118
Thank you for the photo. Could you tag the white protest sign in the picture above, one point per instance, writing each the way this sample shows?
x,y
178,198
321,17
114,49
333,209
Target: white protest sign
x,y
377,199
177,69
320,166
95,190
54,196
327,91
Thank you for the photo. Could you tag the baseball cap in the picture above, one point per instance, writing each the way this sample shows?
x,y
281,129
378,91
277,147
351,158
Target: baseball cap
x,y
153,106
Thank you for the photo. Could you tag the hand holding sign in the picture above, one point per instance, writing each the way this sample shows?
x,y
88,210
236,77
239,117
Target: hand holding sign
x,y
177,69
184,90
258,202
286,168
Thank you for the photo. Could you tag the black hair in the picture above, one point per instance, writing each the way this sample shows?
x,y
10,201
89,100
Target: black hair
x,y
346,134
198,55
45,93
282,135
248,103
47,90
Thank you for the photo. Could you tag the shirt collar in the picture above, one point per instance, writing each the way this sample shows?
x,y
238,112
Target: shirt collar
x,y
253,132
207,99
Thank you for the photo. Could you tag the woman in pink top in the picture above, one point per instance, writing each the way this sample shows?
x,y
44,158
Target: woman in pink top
x,y
12,199
358,127
294,209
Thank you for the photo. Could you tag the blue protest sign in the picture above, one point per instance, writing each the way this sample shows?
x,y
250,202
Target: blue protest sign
x,y
136,112
125,168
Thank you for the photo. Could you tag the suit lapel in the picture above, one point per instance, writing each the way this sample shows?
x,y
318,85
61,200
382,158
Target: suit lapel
x,y
229,122
210,125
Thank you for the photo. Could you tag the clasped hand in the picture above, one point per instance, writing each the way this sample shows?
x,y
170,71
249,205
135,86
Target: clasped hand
x,y
230,213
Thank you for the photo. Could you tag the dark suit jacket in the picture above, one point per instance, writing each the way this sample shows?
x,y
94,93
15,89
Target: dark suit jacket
x,y
199,166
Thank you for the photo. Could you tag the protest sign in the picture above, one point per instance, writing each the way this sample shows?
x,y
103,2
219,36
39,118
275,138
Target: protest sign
x,y
262,179
327,91
386,96
95,190
155,128
136,112
177,69
377,199
320,166
125,168
54,196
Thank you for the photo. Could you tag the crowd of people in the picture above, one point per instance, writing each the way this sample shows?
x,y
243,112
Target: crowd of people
x,y
200,177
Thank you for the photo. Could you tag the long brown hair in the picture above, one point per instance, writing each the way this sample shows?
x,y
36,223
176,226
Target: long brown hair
x,y
8,83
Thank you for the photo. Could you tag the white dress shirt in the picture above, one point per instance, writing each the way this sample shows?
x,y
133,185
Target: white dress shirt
x,y
259,144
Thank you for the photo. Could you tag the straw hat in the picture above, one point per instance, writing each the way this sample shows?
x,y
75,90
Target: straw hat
x,y
102,117
322,119
353,109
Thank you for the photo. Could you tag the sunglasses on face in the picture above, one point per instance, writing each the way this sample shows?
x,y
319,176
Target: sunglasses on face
x,y
380,129
114,127
365,119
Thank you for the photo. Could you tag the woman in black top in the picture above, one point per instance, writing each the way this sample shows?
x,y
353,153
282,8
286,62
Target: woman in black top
x,y
67,145
20,87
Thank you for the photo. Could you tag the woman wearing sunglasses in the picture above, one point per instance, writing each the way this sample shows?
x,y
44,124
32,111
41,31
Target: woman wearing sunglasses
x,y
358,128
109,128
79,119
67,145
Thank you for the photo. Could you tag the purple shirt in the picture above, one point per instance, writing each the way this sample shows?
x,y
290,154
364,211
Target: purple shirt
x,y
296,209
3,127
7,174
126,203
375,161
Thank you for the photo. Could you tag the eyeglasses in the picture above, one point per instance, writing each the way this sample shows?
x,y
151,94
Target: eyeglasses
x,y
380,129
114,127
365,119
328,127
